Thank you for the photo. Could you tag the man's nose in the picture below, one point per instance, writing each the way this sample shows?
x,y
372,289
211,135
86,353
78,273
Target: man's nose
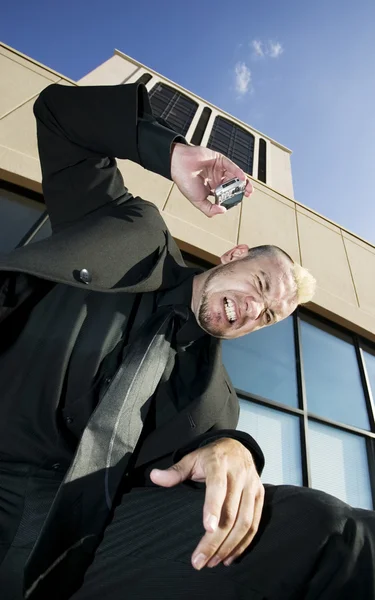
x,y
253,308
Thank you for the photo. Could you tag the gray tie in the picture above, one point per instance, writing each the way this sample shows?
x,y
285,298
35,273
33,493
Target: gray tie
x,y
83,504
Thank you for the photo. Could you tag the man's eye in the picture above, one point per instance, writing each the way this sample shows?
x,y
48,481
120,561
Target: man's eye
x,y
268,318
260,284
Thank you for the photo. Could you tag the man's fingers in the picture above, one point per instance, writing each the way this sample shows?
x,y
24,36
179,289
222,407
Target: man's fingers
x,y
223,498
245,527
210,209
237,527
232,170
216,491
249,188
175,474
248,538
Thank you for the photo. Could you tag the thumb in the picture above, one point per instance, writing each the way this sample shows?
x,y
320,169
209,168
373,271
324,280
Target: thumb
x,y
210,209
175,474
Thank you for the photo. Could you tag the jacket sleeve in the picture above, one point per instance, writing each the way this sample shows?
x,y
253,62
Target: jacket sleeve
x,y
211,436
81,131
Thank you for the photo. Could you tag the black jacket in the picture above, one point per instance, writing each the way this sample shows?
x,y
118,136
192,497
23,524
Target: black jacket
x,y
106,239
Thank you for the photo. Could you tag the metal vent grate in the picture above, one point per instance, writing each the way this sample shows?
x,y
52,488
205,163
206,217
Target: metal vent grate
x,y
234,142
169,104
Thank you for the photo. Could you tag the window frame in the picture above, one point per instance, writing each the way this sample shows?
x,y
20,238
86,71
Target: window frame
x,y
302,412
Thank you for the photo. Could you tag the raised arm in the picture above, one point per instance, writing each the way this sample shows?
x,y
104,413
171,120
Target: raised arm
x,y
81,130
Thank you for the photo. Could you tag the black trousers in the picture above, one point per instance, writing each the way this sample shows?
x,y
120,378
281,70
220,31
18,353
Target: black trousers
x,y
309,546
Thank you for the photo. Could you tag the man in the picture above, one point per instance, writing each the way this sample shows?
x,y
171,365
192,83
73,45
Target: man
x,y
113,389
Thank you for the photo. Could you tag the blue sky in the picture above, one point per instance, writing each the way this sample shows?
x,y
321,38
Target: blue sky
x,y
308,82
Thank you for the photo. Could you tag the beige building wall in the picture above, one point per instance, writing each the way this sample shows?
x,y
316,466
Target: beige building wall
x,y
343,263
279,170
113,71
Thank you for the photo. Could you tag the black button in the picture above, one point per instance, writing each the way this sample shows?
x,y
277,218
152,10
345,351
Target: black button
x,y
56,466
108,380
68,420
85,276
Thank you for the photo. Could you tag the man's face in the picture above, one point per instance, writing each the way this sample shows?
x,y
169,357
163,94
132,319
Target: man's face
x,y
245,295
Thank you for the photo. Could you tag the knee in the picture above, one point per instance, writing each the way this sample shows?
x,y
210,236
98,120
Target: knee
x,y
321,511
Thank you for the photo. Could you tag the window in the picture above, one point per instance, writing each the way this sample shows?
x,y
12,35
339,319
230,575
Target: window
x,y
278,435
262,160
172,106
263,363
201,127
369,359
234,142
145,78
333,383
306,390
339,464
18,213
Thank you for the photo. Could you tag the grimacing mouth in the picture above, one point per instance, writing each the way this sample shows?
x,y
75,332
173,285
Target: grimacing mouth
x,y
230,310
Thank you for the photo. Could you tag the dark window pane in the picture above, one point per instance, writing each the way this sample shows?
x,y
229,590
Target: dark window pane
x,y
234,142
43,232
201,127
333,384
339,464
170,105
262,161
263,363
369,357
17,215
278,435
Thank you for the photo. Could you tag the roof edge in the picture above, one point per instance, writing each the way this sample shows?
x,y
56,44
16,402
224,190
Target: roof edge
x,y
35,62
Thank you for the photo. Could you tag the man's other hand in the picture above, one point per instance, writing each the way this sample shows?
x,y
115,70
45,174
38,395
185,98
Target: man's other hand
x,y
198,171
234,498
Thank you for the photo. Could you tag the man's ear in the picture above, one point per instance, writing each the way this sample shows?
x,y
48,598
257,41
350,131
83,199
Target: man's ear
x,y
235,253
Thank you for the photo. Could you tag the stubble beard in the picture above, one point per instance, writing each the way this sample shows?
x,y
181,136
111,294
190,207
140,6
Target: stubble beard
x,y
206,319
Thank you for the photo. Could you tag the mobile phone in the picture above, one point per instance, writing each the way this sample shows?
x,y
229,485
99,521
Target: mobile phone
x,y
230,193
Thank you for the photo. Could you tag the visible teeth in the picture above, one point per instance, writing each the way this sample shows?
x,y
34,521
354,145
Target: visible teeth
x,y
230,310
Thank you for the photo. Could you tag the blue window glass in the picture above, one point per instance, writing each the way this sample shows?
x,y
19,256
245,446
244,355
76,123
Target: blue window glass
x,y
278,435
339,464
263,363
369,358
333,384
17,215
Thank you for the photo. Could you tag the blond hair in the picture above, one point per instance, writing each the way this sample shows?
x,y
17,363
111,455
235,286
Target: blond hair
x,y
305,282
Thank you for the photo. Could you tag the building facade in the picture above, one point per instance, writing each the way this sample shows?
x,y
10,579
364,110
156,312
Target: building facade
x,y
306,385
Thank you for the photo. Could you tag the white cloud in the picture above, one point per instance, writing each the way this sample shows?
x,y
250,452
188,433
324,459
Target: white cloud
x,y
274,49
243,78
262,49
257,47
